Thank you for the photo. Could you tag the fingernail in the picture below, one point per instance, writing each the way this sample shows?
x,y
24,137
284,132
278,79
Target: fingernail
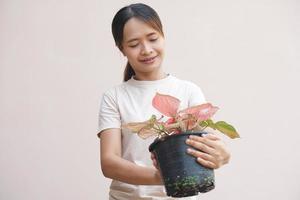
x,y
188,141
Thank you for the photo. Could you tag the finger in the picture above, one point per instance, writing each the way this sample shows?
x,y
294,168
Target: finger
x,y
203,140
152,156
213,143
202,155
199,145
206,159
154,162
206,163
212,136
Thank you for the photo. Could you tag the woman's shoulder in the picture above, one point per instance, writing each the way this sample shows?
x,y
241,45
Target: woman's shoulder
x,y
113,89
187,83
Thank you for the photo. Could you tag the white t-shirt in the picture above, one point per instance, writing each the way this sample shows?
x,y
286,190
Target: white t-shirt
x,y
131,101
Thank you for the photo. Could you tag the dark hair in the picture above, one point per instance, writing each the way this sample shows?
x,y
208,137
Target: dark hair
x,y
139,11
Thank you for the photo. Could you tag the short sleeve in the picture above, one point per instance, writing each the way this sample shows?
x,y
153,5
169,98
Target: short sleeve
x,y
109,115
196,95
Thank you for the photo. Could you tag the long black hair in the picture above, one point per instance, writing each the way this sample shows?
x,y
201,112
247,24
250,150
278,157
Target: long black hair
x,y
139,11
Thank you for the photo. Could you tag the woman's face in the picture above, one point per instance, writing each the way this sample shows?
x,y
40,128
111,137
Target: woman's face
x,y
143,46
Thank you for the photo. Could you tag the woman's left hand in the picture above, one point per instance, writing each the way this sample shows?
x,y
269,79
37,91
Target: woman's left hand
x,y
210,150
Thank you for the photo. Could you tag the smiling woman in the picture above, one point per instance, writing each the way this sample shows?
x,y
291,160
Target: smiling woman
x,y
138,27
144,48
125,159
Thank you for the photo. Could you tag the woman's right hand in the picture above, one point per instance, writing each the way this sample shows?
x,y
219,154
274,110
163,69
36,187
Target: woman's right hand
x,y
157,173
154,161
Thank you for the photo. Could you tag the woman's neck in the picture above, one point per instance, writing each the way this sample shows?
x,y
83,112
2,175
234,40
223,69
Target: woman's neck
x,y
150,76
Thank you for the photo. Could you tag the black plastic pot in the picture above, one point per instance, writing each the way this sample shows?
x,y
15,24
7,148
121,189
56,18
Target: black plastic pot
x,y
182,175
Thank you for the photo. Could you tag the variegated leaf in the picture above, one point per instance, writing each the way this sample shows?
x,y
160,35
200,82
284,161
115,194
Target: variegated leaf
x,y
166,104
202,112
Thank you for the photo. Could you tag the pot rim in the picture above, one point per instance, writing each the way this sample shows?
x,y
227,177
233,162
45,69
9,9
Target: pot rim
x,y
157,141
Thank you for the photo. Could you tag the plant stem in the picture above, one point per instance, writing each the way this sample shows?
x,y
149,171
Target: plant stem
x,y
172,126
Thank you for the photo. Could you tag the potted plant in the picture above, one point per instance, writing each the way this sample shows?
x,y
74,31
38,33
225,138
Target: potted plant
x,y
182,175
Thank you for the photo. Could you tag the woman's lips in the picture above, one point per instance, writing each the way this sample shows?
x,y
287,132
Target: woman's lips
x,y
148,60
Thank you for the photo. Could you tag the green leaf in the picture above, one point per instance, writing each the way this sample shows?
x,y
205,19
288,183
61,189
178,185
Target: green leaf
x,y
153,118
227,129
203,123
161,127
208,123
211,124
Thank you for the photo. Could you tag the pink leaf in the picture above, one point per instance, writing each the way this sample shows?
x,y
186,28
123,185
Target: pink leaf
x,y
145,133
202,112
143,129
136,126
170,121
191,123
187,121
166,104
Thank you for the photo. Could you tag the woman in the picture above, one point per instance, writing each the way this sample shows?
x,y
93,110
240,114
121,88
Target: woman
x,y
138,33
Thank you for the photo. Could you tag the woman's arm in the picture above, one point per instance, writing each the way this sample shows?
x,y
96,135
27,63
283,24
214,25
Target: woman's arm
x,y
115,167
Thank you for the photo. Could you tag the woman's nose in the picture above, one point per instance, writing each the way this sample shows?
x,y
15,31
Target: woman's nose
x,y
146,49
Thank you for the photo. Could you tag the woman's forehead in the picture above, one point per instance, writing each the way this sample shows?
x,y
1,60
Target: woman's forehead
x,y
136,28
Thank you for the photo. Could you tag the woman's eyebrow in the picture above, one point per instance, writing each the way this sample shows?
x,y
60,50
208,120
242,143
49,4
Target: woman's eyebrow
x,y
131,40
150,34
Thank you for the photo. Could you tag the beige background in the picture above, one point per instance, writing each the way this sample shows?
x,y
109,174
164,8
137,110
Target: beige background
x,y
57,57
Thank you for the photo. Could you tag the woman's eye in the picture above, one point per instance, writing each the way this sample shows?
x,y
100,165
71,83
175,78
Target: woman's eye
x,y
133,45
153,39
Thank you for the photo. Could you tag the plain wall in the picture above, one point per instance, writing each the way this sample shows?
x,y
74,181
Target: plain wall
x,y
57,57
